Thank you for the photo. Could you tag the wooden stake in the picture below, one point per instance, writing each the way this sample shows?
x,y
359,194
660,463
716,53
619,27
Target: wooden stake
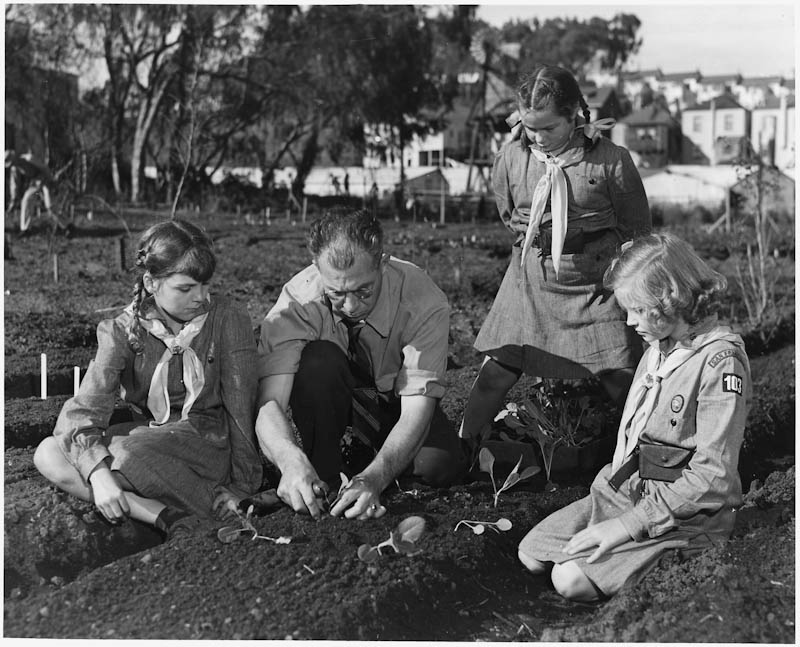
x,y
43,371
305,207
55,268
122,264
76,380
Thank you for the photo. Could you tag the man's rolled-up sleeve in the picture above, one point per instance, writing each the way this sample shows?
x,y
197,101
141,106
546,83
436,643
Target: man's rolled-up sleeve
x,y
425,356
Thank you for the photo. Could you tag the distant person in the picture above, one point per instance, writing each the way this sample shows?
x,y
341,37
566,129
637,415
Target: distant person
x,y
374,198
570,197
673,483
185,364
336,184
357,338
347,183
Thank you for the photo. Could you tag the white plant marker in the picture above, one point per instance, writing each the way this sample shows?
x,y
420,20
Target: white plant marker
x,y
44,376
76,381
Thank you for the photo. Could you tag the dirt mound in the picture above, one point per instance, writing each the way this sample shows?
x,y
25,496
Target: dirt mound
x,y
68,575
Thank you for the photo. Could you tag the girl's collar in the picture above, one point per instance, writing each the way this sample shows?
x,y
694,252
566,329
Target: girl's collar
x,y
693,337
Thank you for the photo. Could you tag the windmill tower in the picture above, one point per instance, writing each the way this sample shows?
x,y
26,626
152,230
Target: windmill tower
x,y
486,49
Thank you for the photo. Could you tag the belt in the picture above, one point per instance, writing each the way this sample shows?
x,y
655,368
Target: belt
x,y
574,243
625,471
653,462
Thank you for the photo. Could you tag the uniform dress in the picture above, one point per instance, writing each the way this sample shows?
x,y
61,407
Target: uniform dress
x,y
569,326
701,405
180,462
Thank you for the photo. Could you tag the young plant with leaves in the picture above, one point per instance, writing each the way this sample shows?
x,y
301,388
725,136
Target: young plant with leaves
x,y
403,539
486,461
479,527
230,534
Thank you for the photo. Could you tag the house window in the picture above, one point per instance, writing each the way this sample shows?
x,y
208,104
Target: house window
x,y
727,123
647,134
436,158
423,158
697,124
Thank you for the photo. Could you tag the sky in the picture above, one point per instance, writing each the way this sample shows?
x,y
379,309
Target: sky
x,y
752,39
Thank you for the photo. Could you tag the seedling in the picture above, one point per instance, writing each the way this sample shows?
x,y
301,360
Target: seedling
x,y
230,534
345,484
479,527
486,460
403,539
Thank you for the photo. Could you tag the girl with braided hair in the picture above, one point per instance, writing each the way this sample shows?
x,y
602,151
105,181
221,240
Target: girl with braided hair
x,y
570,197
185,365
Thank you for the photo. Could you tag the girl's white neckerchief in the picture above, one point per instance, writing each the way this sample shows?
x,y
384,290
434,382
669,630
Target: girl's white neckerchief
x,y
193,376
552,185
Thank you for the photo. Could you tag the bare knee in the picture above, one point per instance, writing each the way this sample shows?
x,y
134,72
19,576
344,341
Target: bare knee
x,y
50,461
572,583
533,565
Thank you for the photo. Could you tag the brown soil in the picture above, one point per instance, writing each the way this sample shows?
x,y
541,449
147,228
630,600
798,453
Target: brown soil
x,y
68,575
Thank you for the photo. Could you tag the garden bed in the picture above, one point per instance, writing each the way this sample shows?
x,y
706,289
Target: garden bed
x,y
68,575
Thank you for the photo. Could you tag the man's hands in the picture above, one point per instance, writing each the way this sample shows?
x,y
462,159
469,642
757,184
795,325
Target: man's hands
x,y
605,535
359,499
301,488
109,497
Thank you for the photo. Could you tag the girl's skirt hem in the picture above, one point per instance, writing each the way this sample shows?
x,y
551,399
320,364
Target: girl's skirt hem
x,y
628,561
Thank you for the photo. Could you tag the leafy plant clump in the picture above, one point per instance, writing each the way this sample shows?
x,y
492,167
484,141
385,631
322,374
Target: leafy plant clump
x,y
403,539
486,461
479,527
557,414
229,534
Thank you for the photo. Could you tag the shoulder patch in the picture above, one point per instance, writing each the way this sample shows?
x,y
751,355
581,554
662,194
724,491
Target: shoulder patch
x,y
728,352
732,383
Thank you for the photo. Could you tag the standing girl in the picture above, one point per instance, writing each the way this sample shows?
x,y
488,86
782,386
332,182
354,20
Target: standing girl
x,y
673,482
571,197
185,364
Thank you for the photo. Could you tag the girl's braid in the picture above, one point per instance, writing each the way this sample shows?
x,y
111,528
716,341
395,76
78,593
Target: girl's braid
x,y
135,331
587,115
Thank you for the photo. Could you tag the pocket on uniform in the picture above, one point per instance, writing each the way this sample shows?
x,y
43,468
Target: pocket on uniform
x,y
588,188
662,462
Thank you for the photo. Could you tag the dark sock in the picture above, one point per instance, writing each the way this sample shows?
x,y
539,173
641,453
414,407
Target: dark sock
x,y
167,517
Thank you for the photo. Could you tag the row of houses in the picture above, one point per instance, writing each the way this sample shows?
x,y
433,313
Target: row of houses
x,y
717,131
713,129
684,89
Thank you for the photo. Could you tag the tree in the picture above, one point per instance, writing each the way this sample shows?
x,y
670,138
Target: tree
x,y
574,44
340,68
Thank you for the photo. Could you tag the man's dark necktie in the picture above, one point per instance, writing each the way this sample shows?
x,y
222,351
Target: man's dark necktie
x,y
357,354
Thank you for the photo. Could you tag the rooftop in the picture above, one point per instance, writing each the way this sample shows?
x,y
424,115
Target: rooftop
x,y
721,102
